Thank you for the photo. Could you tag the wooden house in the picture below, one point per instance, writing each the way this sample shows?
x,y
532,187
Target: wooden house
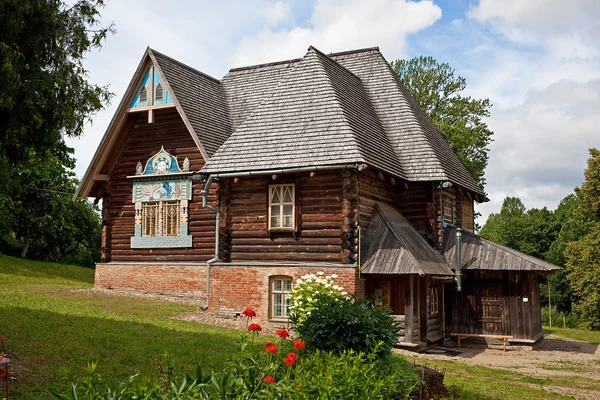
x,y
232,189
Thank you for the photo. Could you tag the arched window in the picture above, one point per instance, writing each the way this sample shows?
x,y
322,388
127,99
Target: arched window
x,y
159,92
280,288
143,94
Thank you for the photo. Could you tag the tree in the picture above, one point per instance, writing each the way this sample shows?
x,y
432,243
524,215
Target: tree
x,y
437,90
44,92
582,257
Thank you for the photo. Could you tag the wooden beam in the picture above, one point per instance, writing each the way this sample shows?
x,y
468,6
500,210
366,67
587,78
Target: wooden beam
x,y
146,108
102,177
150,116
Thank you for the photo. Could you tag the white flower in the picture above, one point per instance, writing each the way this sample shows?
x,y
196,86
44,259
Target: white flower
x,y
319,280
328,285
344,293
310,299
320,273
334,276
331,292
336,287
299,281
308,313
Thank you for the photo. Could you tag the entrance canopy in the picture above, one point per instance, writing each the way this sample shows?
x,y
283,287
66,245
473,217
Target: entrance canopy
x,y
392,246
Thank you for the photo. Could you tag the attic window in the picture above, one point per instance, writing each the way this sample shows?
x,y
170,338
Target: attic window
x,y
159,92
143,94
281,207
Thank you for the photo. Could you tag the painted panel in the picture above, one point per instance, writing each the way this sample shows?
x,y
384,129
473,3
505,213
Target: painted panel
x,y
162,190
136,98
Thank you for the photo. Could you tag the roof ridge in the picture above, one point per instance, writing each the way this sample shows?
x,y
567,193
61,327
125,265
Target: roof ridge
x,y
269,64
184,65
361,50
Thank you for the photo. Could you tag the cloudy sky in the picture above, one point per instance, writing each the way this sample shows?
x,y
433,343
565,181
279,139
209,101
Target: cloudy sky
x,y
538,61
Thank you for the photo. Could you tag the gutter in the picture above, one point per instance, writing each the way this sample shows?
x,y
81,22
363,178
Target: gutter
x,y
209,180
217,226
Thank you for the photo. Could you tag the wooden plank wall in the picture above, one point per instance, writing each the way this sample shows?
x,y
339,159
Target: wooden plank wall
x,y
320,220
521,319
143,141
467,214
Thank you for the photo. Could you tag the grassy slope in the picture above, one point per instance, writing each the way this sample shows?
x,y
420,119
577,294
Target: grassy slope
x,y
53,329
575,334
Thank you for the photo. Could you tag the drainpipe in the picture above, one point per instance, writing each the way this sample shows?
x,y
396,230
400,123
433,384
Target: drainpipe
x,y
217,226
458,266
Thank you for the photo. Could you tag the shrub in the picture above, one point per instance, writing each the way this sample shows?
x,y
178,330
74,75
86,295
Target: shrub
x,y
338,324
280,370
559,318
306,291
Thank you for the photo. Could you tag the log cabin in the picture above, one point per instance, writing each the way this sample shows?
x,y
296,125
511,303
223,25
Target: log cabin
x,y
231,189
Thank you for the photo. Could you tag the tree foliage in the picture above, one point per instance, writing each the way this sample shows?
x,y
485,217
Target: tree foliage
x,y
44,92
45,96
437,89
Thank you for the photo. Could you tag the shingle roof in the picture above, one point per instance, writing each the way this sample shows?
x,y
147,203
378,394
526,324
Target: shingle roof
x,y
391,245
202,99
372,99
480,253
318,114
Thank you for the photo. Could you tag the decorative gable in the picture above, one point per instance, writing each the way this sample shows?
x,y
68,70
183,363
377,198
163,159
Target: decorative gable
x,y
151,91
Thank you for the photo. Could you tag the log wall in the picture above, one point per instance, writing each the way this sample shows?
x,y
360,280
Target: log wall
x,y
322,218
142,142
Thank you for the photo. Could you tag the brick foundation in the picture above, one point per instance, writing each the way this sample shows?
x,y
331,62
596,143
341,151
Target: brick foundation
x,y
233,288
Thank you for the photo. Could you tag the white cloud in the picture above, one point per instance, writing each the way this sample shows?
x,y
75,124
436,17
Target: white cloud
x,y
336,26
277,13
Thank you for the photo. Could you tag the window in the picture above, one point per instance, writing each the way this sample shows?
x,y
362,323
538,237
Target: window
x,y
281,287
161,218
448,209
143,94
159,92
434,300
281,207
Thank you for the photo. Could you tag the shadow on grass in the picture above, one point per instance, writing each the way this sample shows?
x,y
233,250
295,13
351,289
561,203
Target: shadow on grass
x,y
49,349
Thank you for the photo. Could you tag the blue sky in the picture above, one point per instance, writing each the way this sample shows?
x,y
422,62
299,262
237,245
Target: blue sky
x,y
538,61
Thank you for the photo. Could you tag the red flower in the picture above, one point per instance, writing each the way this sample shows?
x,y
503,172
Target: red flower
x,y
271,347
289,361
282,333
248,312
269,379
298,344
293,356
254,327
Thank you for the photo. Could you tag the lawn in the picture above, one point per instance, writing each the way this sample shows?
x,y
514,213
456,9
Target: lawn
x,y
575,334
54,327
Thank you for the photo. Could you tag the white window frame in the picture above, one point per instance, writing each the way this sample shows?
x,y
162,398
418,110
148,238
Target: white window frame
x,y
143,88
281,205
285,293
162,97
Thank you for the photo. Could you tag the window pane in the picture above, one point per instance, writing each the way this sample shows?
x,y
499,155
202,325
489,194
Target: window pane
x,y
287,304
287,285
288,216
277,285
275,217
288,196
275,196
277,305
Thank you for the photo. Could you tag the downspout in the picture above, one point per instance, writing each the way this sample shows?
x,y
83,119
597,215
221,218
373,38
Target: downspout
x,y
217,226
458,266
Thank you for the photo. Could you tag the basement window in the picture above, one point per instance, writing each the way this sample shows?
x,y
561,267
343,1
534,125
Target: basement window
x,y
159,92
143,94
280,288
281,207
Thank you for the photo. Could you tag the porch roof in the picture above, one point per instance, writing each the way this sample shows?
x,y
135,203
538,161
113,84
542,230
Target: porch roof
x,y
391,245
483,254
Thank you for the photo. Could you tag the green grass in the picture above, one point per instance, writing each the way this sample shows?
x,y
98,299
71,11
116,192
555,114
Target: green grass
x,y
53,329
575,334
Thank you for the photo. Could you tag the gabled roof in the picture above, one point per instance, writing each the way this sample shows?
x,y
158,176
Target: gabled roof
x,y
202,99
480,253
391,245
318,114
199,99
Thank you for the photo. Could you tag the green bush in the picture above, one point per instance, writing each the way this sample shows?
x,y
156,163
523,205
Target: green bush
x,y
338,324
559,318
281,370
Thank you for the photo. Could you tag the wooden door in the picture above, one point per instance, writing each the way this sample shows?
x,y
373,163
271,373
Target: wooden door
x,y
490,308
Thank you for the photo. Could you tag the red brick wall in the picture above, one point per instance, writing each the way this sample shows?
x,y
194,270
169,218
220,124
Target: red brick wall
x,y
233,288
